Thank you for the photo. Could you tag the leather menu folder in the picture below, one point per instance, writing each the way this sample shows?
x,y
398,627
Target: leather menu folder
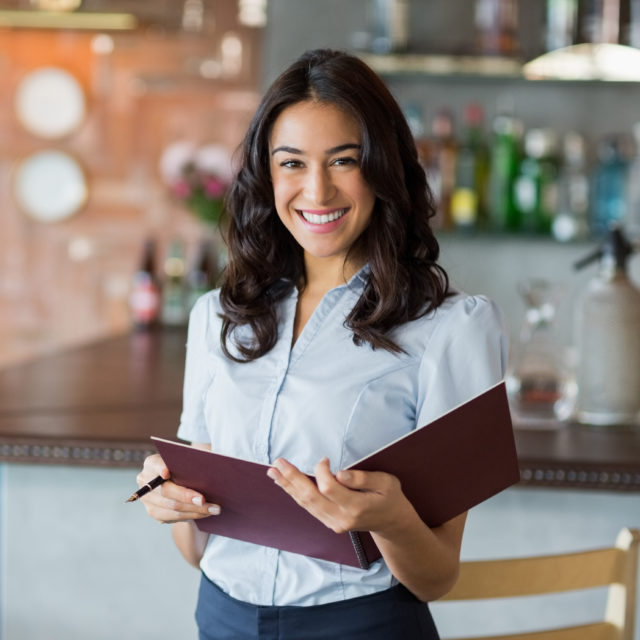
x,y
446,467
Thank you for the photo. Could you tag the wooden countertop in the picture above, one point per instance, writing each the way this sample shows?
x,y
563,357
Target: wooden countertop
x,y
98,405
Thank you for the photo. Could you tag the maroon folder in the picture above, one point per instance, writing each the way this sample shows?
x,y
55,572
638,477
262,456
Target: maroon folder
x,y
446,467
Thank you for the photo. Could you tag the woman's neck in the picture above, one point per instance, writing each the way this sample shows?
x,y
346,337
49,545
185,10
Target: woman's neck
x,y
324,274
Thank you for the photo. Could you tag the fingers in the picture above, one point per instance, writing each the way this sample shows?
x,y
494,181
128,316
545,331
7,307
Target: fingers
x,y
171,502
348,501
300,487
294,482
153,467
325,498
374,481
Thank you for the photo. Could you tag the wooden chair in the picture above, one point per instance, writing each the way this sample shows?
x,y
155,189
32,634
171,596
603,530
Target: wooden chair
x,y
615,567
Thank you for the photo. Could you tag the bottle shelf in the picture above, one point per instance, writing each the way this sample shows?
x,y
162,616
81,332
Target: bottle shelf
x,y
578,63
444,65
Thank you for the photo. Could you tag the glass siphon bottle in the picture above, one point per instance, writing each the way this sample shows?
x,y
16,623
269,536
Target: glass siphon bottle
x,y
608,338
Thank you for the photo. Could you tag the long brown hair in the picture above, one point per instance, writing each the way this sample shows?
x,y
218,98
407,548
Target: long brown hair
x,y
265,262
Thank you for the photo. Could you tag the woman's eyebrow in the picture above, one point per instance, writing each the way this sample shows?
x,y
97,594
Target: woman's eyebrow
x,y
343,147
286,150
329,152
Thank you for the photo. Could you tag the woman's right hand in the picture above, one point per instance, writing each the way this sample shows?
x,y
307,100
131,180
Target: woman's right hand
x,y
171,502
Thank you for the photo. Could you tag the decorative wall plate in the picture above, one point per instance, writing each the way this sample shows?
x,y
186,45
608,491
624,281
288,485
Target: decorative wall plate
x,y
50,186
50,103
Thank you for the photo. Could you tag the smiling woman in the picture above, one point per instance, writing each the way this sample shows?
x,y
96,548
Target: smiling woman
x,y
320,194
334,332
323,102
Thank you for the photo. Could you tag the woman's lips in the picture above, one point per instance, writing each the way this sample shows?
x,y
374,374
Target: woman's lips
x,y
323,221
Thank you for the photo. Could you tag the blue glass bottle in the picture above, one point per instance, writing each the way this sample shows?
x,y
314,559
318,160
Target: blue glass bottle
x,y
608,203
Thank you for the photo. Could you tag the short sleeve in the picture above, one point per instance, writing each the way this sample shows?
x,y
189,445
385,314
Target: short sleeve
x,y
198,373
466,355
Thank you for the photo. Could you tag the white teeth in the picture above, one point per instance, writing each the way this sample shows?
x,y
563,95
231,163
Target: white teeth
x,y
314,218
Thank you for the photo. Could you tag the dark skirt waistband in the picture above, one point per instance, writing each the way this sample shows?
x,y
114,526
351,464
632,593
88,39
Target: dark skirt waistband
x,y
394,614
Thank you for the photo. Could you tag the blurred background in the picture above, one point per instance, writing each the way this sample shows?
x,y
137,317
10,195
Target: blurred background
x,y
119,120
105,107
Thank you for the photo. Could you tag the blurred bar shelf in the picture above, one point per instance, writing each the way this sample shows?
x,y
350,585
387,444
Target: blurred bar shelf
x,y
588,62
579,456
98,405
443,65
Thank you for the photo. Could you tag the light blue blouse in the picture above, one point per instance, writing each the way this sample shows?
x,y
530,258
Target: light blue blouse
x,y
324,396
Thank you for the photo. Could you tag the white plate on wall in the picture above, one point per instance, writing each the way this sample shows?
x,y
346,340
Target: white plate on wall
x,y
50,186
50,103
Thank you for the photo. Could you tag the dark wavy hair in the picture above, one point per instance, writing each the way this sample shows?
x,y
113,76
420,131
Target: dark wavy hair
x,y
265,262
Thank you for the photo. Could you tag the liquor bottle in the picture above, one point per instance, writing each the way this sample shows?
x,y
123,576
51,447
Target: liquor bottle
x,y
174,311
609,193
389,25
561,28
505,155
536,185
600,20
441,165
469,199
201,278
144,299
634,24
571,221
415,120
496,24
633,188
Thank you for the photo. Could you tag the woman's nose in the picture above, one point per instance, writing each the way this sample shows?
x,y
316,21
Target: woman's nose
x,y
319,187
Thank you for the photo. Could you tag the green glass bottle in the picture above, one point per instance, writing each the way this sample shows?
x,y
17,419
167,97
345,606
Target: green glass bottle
x,y
504,162
174,312
469,198
536,185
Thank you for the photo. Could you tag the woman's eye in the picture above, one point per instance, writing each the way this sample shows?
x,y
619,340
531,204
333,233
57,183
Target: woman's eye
x,y
348,160
291,164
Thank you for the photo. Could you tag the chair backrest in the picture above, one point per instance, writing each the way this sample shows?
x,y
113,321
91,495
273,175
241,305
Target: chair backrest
x,y
615,567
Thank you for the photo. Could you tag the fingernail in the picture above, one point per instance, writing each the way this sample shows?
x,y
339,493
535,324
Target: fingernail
x,y
197,500
214,509
345,475
271,473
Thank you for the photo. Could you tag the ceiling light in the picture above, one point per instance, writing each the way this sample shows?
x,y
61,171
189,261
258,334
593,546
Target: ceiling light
x,y
588,61
63,20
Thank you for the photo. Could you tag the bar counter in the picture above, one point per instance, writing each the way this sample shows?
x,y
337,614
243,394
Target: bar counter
x,y
98,405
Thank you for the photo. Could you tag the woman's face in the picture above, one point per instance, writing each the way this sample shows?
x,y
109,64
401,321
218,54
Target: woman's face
x,y
320,194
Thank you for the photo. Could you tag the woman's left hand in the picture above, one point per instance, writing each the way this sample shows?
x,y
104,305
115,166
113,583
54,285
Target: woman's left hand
x,y
348,501
424,559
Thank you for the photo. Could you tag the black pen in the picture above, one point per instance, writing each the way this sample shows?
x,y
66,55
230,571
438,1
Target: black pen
x,y
145,488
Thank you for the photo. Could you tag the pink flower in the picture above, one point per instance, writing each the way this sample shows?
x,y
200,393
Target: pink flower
x,y
213,187
181,189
